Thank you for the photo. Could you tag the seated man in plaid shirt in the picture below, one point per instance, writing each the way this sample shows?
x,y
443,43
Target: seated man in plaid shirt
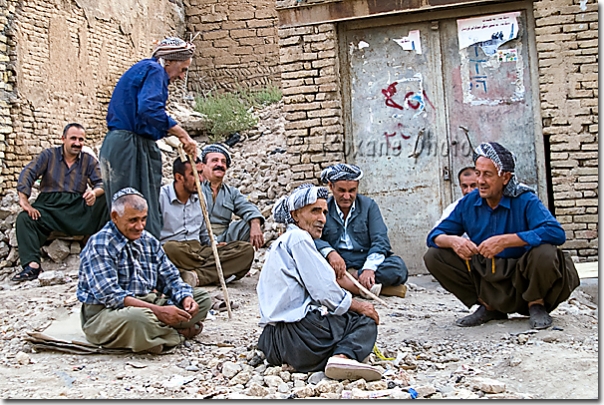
x,y
132,295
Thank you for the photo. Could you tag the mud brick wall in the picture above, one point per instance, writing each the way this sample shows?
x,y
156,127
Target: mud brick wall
x,y
567,46
64,59
7,78
236,44
312,99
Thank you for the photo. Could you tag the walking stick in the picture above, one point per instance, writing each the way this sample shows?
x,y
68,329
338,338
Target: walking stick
x,y
206,217
366,291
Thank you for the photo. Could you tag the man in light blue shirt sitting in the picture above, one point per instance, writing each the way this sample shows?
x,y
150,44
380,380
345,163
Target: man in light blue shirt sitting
x,y
310,322
185,235
511,262
356,238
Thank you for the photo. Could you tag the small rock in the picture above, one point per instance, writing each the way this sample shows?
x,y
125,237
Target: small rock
x,y
75,248
22,358
285,376
329,386
315,378
425,390
283,388
257,390
299,376
358,384
304,392
272,381
192,368
377,385
58,250
230,369
273,370
488,385
241,378
47,278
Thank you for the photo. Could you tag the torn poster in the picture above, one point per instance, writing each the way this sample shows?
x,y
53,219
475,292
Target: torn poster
x,y
412,42
489,32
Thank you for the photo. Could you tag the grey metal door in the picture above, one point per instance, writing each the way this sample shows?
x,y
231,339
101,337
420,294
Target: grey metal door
x,y
488,98
411,95
395,130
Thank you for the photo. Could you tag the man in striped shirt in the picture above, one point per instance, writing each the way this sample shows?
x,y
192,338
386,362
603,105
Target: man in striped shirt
x,y
68,202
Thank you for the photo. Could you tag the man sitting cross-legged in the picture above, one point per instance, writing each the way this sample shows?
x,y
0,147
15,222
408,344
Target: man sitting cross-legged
x,y
310,322
356,238
185,235
510,263
132,295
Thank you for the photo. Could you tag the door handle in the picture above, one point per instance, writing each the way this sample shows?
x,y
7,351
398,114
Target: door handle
x,y
446,174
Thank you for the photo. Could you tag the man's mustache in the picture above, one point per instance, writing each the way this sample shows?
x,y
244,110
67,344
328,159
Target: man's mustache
x,y
219,168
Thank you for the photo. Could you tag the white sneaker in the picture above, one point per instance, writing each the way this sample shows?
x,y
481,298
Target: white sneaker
x,y
339,368
375,289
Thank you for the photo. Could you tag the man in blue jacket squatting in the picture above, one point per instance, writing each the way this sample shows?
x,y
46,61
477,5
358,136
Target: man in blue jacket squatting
x,y
510,263
355,237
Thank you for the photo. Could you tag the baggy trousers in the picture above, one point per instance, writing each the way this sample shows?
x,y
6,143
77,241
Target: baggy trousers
x,y
237,230
61,212
136,328
235,258
391,272
307,344
544,272
130,160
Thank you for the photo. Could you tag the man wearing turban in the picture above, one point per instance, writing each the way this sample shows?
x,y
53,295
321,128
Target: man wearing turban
x,y
511,262
310,322
224,200
355,236
137,118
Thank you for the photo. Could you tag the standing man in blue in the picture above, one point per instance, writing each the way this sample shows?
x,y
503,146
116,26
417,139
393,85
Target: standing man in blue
x,y
510,263
356,237
136,118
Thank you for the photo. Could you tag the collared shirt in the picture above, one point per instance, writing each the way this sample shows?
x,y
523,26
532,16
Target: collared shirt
x,y
525,216
229,201
181,221
296,279
345,243
113,268
138,102
57,177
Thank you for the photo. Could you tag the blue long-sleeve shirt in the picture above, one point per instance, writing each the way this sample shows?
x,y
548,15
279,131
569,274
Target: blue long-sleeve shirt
x,y
525,216
138,102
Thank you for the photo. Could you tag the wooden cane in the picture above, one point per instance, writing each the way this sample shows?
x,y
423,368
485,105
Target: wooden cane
x,y
204,210
366,291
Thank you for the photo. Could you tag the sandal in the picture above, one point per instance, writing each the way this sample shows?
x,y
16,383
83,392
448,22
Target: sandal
x,y
28,273
221,306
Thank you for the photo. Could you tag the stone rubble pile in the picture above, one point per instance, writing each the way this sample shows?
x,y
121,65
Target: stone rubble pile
x,y
260,171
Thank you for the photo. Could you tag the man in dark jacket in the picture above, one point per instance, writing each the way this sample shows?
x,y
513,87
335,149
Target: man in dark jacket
x,y
355,236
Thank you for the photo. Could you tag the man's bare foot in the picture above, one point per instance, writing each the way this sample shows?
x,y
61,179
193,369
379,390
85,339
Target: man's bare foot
x,y
480,316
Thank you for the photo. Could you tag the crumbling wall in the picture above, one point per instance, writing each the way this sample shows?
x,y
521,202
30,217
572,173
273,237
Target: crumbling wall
x,y
7,78
236,44
67,57
312,99
567,46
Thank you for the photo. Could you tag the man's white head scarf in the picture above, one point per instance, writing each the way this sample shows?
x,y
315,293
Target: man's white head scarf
x,y
302,196
341,171
504,161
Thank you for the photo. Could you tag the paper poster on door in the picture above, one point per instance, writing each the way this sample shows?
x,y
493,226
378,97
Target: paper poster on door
x,y
412,42
489,32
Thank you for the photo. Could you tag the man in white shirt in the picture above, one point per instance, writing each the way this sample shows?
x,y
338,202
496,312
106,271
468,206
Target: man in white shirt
x,y
185,236
310,322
